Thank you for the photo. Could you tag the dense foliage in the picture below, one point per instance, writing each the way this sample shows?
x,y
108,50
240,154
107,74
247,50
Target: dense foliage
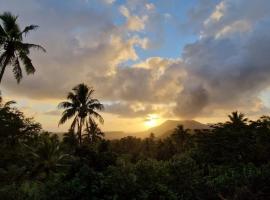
x,y
228,161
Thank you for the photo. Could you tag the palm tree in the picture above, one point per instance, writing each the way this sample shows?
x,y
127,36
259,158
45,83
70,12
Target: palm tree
x,y
46,156
180,136
13,50
93,132
82,107
237,119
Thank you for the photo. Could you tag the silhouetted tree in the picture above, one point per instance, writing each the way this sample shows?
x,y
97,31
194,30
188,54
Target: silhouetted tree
x,y
180,137
237,119
14,50
92,132
13,125
82,107
46,155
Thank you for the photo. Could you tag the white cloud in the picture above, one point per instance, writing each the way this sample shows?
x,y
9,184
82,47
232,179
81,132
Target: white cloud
x,y
217,14
134,22
150,6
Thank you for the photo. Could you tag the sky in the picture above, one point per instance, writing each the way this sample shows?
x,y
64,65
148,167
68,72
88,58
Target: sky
x,y
148,60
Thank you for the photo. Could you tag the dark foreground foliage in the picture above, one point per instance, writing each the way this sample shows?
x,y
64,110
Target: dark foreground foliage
x,y
229,161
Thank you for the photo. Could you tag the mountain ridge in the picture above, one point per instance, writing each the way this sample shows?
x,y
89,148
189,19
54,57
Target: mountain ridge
x,y
162,130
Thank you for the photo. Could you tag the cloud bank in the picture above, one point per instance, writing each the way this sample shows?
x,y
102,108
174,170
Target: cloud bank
x,y
226,68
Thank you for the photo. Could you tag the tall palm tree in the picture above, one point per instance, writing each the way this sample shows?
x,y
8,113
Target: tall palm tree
x,y
237,119
82,107
13,50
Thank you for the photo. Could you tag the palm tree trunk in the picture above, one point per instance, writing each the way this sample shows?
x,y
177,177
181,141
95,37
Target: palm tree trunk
x,y
80,131
87,132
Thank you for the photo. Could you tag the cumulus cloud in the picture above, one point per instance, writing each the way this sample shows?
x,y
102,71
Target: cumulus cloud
x,y
227,13
225,69
77,45
231,70
158,81
191,101
134,22
129,110
150,6
196,16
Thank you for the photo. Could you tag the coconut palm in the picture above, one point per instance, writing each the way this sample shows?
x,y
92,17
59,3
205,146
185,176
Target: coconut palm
x,y
14,51
237,119
81,107
46,156
180,135
92,132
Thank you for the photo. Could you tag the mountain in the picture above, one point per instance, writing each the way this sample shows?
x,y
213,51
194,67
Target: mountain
x,y
161,131
166,128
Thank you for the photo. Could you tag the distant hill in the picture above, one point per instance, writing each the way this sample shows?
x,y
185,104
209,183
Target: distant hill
x,y
166,128
163,130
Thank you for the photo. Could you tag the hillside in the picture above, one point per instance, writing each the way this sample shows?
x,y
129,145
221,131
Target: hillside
x,y
162,130
168,126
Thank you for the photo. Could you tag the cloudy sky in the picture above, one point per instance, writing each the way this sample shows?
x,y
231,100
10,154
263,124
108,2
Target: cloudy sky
x,y
161,59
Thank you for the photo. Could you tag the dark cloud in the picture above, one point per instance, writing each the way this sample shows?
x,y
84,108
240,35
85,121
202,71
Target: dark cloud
x,y
232,69
196,15
126,110
155,84
191,101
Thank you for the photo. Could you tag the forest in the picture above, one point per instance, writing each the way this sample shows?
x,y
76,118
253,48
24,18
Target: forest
x,y
228,161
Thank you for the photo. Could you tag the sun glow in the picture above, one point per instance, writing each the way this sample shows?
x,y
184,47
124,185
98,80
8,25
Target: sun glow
x,y
151,121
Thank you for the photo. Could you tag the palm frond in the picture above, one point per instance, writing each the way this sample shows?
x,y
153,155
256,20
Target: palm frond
x,y
4,61
98,116
29,68
65,104
96,106
28,28
82,92
29,46
67,114
3,58
3,36
90,92
73,97
92,101
73,124
9,24
17,70
2,32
